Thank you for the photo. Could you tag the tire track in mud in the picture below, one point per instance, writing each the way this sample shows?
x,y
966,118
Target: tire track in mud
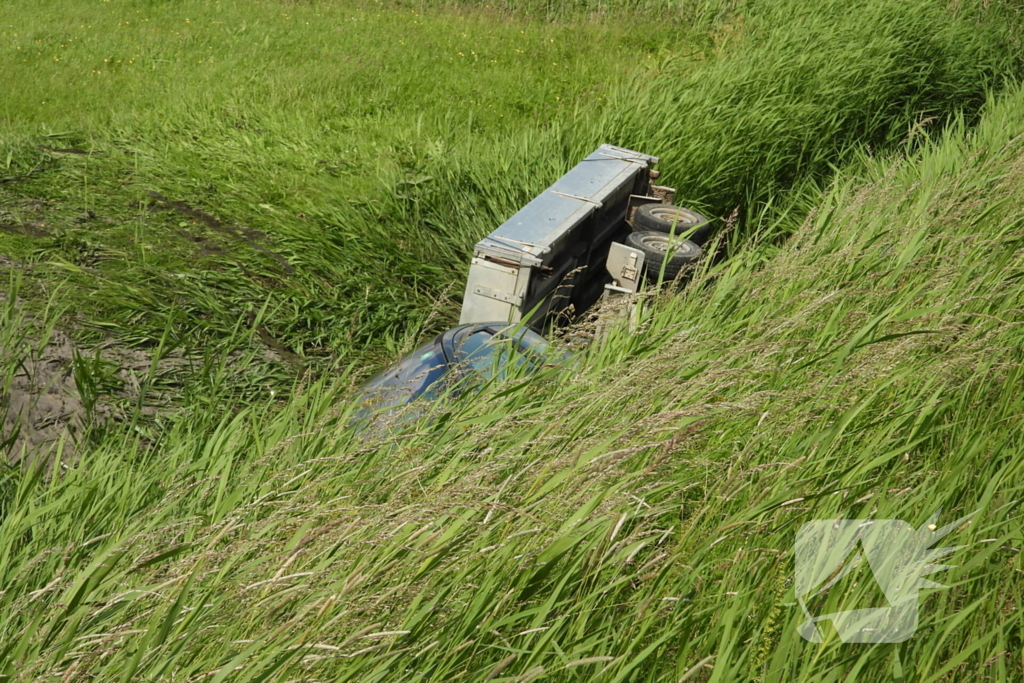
x,y
251,236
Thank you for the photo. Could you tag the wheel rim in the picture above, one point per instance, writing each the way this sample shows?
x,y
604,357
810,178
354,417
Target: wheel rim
x,y
676,214
663,244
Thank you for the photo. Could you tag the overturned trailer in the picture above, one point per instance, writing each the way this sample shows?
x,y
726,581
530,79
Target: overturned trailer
x,y
573,242
596,230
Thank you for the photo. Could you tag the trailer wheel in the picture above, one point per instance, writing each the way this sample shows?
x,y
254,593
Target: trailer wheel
x,y
673,219
657,245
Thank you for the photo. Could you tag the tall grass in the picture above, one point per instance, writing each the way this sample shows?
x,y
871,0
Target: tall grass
x,y
350,177
789,96
631,519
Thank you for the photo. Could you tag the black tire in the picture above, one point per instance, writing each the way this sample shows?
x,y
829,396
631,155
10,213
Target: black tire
x,y
676,220
656,245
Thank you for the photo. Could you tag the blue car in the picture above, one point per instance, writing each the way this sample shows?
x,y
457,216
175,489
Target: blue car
x,y
454,361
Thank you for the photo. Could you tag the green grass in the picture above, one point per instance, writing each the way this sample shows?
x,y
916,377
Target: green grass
x,y
346,156
629,519
648,533
295,128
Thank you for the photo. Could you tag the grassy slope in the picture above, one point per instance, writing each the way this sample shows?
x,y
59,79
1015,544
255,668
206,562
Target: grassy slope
x,y
648,531
644,536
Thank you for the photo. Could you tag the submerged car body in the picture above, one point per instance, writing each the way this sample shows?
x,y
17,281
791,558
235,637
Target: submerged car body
x,y
453,361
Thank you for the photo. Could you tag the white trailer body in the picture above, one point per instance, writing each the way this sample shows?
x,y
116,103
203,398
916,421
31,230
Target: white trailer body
x,y
553,251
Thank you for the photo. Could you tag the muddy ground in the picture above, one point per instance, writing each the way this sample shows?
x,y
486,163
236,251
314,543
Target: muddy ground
x,y
54,391
44,405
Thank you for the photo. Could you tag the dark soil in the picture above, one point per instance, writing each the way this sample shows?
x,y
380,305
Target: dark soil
x,y
44,404
26,217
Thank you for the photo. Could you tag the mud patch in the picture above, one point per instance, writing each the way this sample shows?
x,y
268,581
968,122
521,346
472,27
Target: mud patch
x,y
26,217
68,150
57,394
67,393
26,229
42,406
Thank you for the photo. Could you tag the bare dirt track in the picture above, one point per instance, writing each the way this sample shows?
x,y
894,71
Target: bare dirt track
x,y
42,405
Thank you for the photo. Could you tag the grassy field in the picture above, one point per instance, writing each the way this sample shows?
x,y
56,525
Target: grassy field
x,y
245,156
216,216
294,133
